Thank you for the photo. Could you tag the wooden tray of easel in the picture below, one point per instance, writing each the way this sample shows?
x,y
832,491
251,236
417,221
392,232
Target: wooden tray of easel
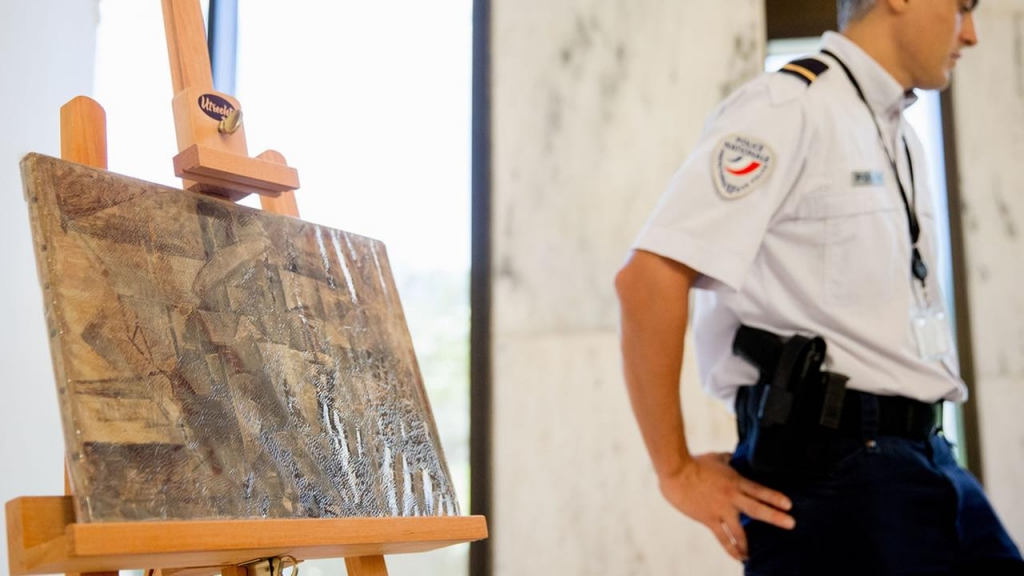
x,y
43,536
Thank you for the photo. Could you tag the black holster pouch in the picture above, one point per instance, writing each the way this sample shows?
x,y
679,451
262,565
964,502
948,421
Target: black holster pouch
x,y
791,416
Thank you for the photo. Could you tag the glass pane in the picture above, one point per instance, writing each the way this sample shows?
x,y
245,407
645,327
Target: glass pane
x,y
370,101
133,84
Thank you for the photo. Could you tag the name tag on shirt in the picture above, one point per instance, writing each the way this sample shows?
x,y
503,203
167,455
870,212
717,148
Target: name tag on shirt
x,y
931,329
868,178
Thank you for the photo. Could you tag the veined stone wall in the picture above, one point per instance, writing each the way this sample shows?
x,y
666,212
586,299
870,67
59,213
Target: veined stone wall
x,y
595,104
989,101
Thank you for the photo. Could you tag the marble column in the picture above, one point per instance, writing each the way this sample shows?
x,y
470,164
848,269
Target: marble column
x,y
989,111
596,104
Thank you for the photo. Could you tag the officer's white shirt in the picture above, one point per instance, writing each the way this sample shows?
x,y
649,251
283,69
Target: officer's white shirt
x,y
807,233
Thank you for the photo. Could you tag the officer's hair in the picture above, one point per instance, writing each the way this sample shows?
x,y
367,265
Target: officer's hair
x,y
852,10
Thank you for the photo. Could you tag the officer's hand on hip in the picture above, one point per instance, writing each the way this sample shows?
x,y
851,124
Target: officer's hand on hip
x,y
711,492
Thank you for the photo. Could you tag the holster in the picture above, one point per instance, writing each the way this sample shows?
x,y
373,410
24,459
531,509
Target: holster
x,y
791,416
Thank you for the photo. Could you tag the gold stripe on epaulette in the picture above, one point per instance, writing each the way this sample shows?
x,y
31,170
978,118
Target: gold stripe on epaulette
x,y
811,76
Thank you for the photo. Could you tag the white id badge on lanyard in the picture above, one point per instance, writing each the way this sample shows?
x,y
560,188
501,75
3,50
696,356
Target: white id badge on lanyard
x,y
931,328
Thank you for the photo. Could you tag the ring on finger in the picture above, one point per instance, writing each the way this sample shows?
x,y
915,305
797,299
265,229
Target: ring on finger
x,y
728,534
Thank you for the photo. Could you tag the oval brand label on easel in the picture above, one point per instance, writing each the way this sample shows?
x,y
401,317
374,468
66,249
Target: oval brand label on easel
x,y
215,107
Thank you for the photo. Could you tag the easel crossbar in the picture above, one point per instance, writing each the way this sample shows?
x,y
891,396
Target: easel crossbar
x,y
44,539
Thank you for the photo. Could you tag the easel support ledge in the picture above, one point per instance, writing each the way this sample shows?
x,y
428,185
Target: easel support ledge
x,y
43,538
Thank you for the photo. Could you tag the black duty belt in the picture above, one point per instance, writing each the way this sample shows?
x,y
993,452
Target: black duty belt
x,y
895,415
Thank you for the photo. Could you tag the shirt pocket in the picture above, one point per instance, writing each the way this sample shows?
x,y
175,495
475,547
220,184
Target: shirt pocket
x,y
864,241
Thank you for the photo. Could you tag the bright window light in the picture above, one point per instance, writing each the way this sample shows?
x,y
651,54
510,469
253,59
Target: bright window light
x,y
371,102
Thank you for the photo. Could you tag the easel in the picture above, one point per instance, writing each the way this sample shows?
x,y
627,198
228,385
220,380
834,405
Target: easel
x,y
43,536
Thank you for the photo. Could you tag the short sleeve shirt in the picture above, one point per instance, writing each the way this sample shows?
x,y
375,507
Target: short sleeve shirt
x,y
789,209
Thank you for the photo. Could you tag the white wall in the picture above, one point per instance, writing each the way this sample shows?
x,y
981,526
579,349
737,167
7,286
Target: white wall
x,y
46,55
989,101
595,105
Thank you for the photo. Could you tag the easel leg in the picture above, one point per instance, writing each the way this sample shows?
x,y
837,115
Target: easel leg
x,y
366,566
83,139
83,132
285,203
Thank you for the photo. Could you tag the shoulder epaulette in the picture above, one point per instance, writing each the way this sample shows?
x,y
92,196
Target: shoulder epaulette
x,y
807,69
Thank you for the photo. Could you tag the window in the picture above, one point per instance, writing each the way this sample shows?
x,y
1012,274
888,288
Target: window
x,y
133,84
370,101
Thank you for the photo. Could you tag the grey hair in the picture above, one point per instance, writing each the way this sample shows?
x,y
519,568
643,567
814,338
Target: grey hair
x,y
852,10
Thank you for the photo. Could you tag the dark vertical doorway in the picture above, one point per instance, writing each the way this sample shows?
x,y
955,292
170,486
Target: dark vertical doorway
x,y
480,289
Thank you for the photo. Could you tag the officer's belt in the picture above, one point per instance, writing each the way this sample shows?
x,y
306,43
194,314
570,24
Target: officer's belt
x,y
897,415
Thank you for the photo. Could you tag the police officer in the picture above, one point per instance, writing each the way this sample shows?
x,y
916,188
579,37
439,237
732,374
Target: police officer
x,y
805,210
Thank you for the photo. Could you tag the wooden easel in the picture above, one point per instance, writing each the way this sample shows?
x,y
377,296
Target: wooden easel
x,y
43,536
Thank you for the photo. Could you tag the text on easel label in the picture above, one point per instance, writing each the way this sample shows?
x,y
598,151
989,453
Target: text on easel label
x,y
215,107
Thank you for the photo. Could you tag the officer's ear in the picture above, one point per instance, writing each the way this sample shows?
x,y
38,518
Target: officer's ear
x,y
898,7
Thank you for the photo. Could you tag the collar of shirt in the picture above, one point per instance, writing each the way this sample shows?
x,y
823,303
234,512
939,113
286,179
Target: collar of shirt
x,y
886,96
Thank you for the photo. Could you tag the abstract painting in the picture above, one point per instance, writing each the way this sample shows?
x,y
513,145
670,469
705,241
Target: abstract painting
x,y
216,361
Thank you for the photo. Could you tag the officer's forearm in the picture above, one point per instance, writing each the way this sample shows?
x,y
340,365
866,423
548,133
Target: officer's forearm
x,y
653,295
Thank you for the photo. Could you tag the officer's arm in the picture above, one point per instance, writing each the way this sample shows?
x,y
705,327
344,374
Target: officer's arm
x,y
653,299
653,295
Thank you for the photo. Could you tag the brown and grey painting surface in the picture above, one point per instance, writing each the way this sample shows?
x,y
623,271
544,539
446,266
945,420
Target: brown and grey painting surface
x,y
214,361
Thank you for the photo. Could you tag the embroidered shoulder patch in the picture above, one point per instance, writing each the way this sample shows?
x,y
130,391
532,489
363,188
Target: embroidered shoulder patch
x,y
740,164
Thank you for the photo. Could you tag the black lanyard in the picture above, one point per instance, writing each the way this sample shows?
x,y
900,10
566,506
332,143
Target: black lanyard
x,y
917,266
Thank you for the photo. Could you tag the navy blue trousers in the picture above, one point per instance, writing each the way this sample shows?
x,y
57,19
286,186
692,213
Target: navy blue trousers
x,y
894,506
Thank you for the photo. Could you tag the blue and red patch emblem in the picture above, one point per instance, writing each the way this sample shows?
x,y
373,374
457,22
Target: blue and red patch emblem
x,y
740,164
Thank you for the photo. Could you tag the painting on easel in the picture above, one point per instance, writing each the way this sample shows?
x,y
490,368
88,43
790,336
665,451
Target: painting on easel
x,y
215,361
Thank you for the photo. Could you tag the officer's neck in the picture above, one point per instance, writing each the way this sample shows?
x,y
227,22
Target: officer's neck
x,y
882,47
